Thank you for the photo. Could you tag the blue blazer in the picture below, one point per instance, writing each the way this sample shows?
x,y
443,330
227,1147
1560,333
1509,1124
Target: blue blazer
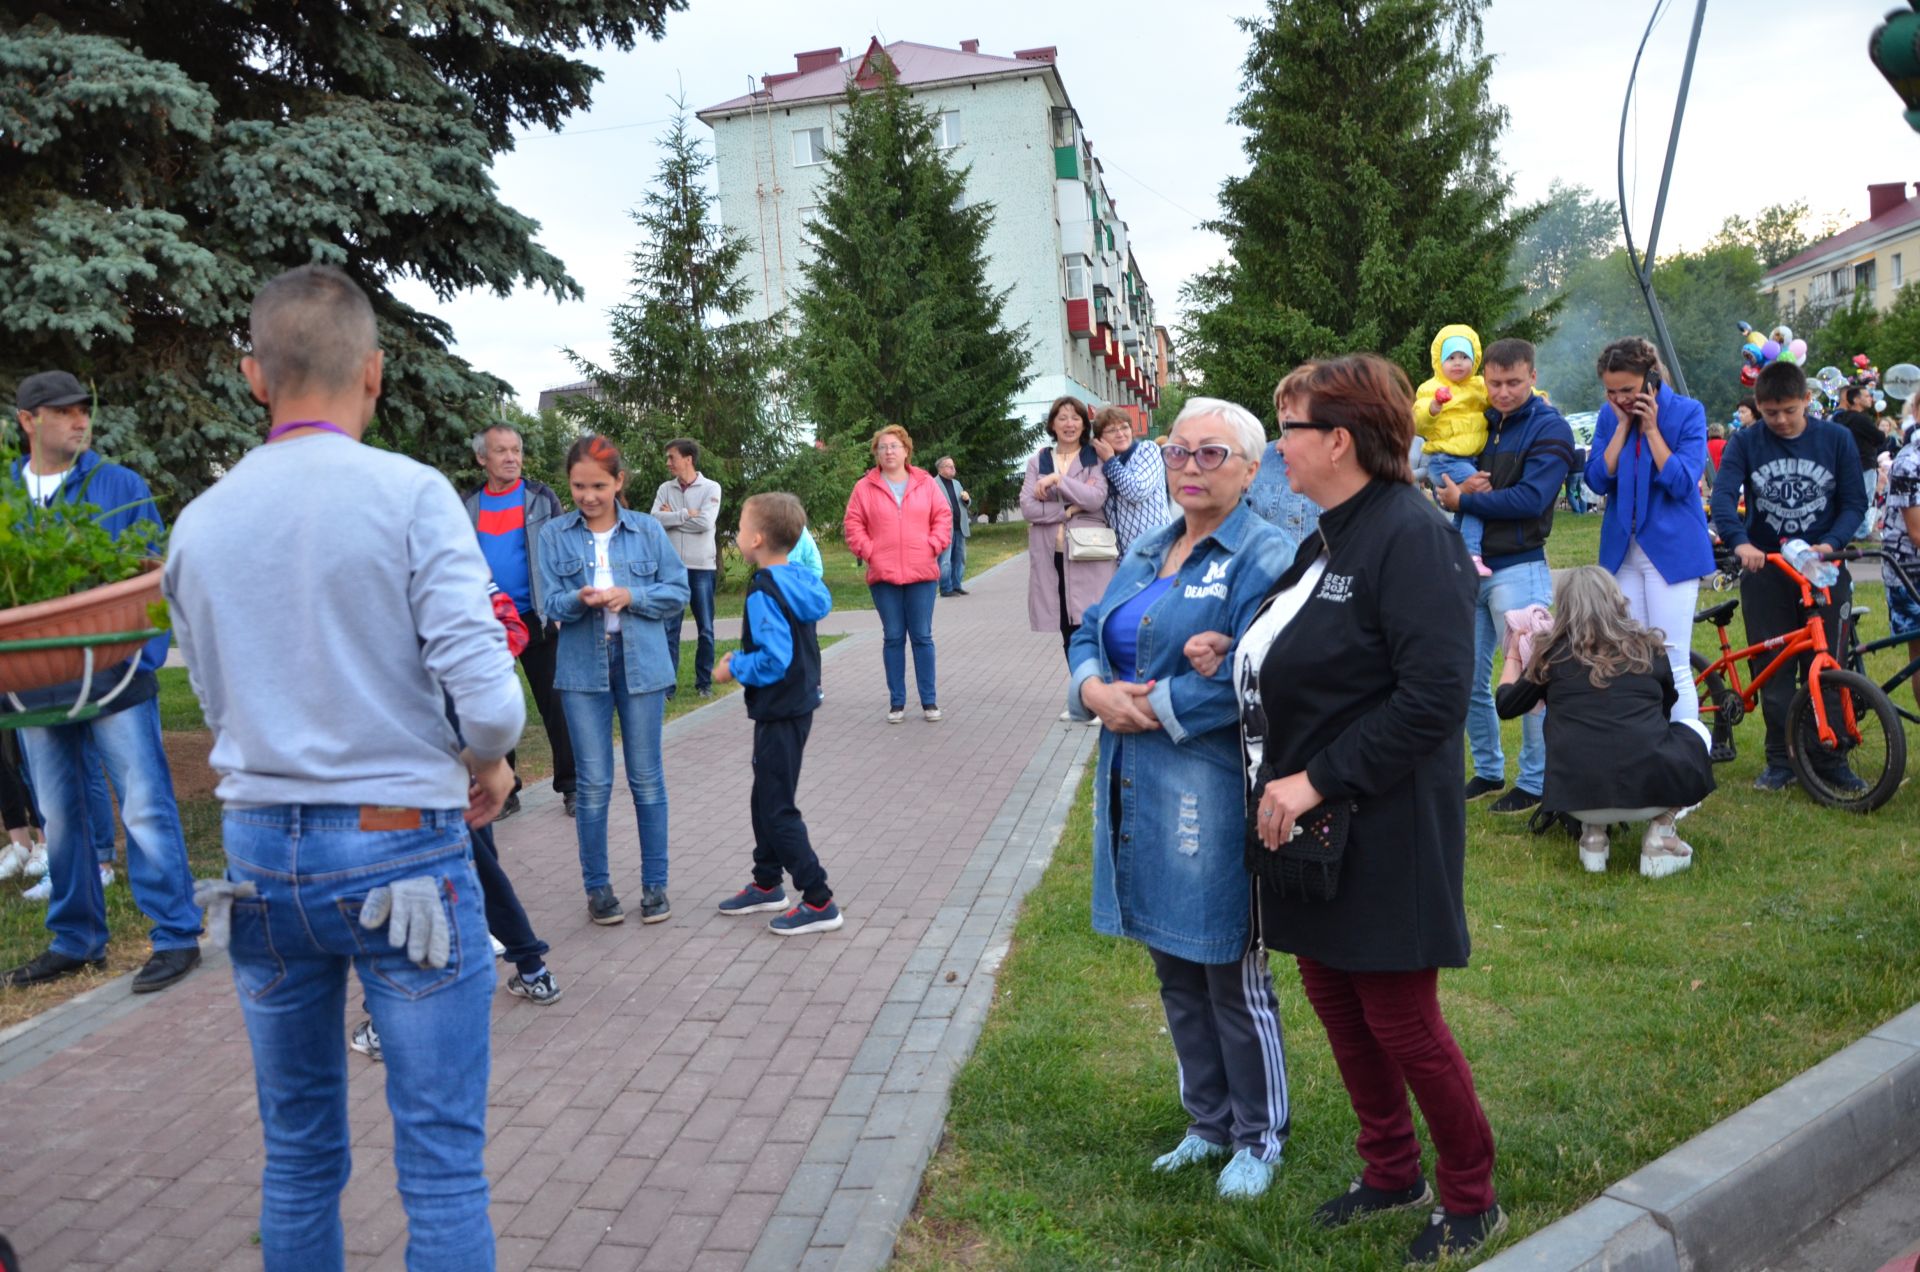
x,y
1659,507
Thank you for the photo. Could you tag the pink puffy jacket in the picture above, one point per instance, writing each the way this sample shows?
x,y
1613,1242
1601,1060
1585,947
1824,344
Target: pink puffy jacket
x,y
901,543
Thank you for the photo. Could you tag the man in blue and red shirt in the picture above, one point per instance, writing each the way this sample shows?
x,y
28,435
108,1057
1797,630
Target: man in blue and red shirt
x,y
508,512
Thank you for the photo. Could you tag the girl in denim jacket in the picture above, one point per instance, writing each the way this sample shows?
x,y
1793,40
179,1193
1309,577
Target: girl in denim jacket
x,y
611,579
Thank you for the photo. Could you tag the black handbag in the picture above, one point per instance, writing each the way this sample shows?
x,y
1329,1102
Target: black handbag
x,y
1308,865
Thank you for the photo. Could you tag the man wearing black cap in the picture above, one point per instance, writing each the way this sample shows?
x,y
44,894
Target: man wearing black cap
x,y
55,415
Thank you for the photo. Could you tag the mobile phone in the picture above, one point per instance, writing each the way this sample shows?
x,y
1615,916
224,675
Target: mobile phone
x,y
1652,383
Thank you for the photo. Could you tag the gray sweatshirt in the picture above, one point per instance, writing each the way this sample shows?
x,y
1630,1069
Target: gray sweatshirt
x,y
689,516
324,594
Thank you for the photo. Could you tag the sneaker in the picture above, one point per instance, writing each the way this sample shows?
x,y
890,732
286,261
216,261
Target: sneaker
x,y
365,1041
1773,778
654,906
896,714
961,591
1361,1202
509,808
1662,851
37,862
1451,1236
540,990
567,802
1480,567
703,693
13,860
1188,1151
753,898
1843,779
41,891
932,714
604,908
807,918
1594,847
1482,786
1066,717
1514,801
49,966
499,946
106,876
1245,1177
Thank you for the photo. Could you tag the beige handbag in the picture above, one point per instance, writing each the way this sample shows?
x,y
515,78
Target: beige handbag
x,y
1092,543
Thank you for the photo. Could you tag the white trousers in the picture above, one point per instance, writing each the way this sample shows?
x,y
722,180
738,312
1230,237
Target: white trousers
x,y
1654,602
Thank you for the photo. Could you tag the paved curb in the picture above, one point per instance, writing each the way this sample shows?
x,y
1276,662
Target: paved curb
x,y
37,1038
861,1173
1748,1186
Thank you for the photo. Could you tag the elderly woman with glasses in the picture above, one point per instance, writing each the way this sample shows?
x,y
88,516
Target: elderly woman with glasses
x,y
1170,794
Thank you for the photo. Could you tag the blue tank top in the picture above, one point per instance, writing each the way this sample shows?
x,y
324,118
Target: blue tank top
x,y
1121,630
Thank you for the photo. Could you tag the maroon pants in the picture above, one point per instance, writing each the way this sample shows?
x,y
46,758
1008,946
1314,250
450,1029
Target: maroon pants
x,y
1387,1035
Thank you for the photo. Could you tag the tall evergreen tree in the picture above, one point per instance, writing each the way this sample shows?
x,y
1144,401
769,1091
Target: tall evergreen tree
x,y
897,323
167,156
1373,212
686,362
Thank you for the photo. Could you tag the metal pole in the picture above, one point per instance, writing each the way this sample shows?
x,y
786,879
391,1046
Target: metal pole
x,y
1643,265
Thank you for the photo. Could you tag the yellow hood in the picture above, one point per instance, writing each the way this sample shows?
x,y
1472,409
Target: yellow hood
x,y
1447,333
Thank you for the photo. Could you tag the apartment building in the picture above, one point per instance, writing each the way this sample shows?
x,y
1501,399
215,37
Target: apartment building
x,y
1872,259
1057,245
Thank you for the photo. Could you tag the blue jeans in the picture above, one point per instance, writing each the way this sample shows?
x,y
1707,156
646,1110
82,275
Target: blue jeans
x,y
128,743
292,944
1515,587
700,584
953,565
99,807
1458,467
906,613
590,718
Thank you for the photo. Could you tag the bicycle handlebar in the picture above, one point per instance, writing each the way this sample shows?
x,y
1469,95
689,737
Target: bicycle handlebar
x,y
1849,554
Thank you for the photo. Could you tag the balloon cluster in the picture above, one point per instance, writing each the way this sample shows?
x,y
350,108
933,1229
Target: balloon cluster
x,y
1830,382
1757,351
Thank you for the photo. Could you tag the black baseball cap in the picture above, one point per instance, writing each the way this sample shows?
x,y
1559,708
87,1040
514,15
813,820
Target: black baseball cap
x,y
50,388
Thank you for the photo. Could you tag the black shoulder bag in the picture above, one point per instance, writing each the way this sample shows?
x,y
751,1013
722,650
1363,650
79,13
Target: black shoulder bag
x,y
1308,865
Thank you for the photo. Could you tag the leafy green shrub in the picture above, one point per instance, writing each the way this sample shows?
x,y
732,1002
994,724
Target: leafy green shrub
x,y
47,553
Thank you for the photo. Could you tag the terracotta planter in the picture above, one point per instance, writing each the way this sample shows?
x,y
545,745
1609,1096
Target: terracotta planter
x,y
116,607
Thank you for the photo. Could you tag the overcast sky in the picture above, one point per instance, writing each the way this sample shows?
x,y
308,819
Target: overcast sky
x,y
1784,106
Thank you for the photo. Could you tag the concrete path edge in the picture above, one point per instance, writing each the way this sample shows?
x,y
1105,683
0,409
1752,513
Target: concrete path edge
x,y
1747,1186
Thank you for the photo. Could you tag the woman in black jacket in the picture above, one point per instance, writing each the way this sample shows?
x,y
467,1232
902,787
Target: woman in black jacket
x,y
1612,753
1361,661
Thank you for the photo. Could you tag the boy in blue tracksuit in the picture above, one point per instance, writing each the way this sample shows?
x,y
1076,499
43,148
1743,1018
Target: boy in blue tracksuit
x,y
778,665
1800,477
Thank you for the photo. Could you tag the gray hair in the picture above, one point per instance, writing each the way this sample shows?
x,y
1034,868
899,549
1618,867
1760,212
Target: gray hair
x,y
1238,419
312,330
480,438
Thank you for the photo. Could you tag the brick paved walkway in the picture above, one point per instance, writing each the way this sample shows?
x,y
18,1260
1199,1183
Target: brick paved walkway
x,y
706,1095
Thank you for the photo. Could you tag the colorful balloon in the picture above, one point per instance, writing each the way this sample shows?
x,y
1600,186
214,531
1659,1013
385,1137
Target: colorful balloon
x,y
1770,350
1799,348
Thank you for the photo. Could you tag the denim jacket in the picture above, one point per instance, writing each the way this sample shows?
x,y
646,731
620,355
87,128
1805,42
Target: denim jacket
x,y
644,563
1170,813
1295,516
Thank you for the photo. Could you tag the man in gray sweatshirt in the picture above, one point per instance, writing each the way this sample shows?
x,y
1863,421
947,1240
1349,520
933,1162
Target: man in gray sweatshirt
x,y
687,506
331,601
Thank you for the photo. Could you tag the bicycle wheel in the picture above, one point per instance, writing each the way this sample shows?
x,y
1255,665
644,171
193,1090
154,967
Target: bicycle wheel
x,y
1727,709
1864,769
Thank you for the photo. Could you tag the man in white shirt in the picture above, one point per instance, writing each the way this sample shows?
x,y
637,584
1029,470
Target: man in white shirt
x,y
688,508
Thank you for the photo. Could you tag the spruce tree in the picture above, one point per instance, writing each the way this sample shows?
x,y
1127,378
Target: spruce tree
x,y
165,157
1373,212
896,322
686,363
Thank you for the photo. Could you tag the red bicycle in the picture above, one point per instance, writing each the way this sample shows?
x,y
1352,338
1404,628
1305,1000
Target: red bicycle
x,y
1844,738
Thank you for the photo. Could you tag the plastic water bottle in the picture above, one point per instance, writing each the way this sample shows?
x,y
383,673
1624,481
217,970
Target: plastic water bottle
x,y
1801,556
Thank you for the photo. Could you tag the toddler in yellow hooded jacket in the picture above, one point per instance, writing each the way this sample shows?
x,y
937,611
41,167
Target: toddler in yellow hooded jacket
x,y
1450,416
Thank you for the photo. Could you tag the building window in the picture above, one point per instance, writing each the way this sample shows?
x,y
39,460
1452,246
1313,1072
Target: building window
x,y
1062,126
1899,275
807,212
947,129
1077,277
1863,278
809,147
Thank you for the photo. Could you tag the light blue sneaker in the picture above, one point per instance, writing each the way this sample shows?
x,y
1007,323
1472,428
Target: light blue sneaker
x,y
1245,1177
1188,1151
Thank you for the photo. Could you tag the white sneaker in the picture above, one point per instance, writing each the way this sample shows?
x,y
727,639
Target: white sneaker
x,y
499,948
932,714
37,862
1662,852
106,876
1067,715
41,891
13,859
1594,846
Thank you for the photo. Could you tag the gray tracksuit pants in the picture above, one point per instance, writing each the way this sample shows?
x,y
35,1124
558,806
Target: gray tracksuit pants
x,y
1225,1022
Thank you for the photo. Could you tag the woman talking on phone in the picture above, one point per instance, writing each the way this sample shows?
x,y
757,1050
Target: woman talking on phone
x,y
1649,449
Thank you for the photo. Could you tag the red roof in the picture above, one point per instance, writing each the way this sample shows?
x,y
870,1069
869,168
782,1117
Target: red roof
x,y
914,63
1904,213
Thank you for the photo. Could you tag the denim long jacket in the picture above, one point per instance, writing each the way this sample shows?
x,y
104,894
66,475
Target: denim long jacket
x,y
644,563
1169,816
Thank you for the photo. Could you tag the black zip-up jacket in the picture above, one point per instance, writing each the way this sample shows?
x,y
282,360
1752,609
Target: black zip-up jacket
x,y
1867,437
1527,457
1366,690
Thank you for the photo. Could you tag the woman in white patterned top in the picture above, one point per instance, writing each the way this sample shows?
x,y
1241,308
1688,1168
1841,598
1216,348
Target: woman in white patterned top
x,y
1136,475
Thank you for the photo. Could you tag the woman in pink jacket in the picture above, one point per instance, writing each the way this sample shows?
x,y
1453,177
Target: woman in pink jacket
x,y
1064,490
899,523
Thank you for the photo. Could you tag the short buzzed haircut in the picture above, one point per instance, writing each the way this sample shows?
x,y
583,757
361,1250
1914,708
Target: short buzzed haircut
x,y
780,516
1780,381
685,447
312,330
1511,352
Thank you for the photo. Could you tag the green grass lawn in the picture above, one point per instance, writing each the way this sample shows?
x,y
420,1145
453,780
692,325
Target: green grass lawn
x,y
1607,1020
989,546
